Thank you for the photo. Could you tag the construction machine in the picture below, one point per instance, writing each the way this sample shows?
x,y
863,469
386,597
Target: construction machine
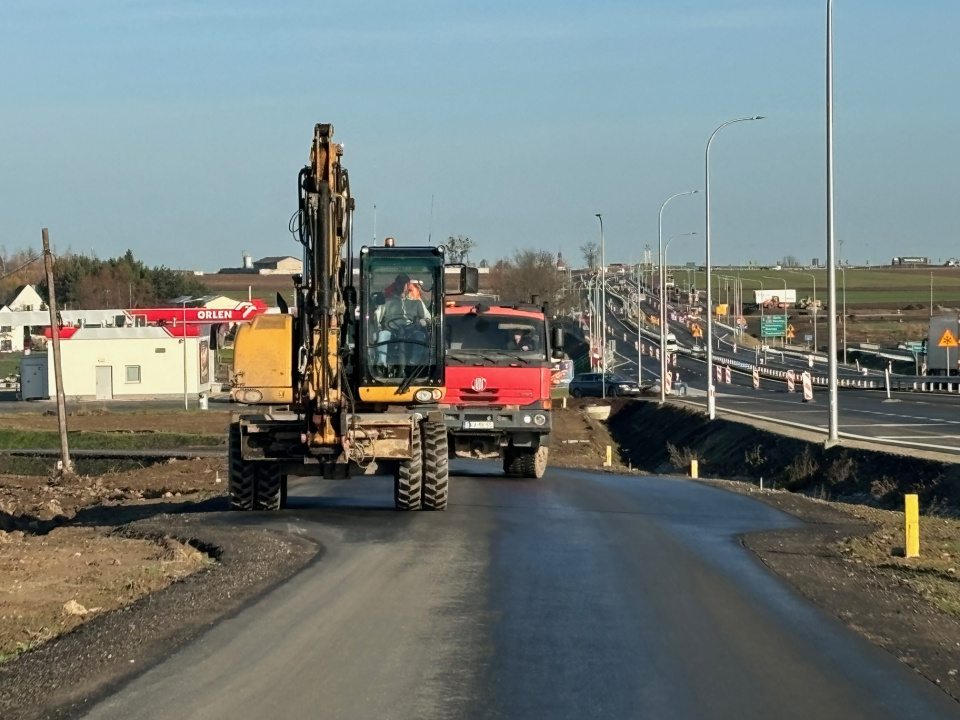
x,y
349,380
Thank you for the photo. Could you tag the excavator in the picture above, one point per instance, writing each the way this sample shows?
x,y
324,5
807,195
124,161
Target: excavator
x,y
348,381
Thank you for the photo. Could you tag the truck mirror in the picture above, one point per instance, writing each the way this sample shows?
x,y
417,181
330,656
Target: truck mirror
x,y
556,340
469,280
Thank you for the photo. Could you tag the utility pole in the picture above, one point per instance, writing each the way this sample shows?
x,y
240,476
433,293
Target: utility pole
x,y
833,421
66,464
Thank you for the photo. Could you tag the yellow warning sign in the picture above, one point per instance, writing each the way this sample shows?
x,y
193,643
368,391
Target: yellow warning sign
x,y
790,328
790,333
697,332
947,339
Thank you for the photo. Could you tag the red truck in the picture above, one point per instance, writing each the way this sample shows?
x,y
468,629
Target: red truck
x,y
499,359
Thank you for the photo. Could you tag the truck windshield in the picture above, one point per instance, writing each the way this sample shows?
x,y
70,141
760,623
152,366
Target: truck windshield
x,y
490,334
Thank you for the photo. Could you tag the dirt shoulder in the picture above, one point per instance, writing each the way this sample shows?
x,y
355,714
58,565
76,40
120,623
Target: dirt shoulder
x,y
847,560
64,677
102,576
199,422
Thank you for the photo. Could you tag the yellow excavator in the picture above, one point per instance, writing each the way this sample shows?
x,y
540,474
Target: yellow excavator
x,y
347,381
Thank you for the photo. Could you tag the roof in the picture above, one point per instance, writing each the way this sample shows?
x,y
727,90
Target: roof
x,y
11,298
275,259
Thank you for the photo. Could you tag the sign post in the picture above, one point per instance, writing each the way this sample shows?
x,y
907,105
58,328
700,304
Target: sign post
x,y
65,462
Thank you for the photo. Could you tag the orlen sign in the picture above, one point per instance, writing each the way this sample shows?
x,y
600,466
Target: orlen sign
x,y
175,316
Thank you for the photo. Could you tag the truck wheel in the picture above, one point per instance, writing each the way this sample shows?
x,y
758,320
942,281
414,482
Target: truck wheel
x,y
408,484
436,466
269,487
511,462
241,476
533,464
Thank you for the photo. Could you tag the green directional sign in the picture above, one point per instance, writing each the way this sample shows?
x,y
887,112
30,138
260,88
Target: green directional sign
x,y
773,326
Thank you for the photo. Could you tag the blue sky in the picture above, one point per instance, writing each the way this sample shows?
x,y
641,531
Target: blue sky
x,y
177,128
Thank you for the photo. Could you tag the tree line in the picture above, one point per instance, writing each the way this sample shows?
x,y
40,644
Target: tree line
x,y
91,283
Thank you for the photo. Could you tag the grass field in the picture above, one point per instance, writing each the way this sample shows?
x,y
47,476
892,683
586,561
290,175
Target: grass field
x,y
10,364
880,287
11,439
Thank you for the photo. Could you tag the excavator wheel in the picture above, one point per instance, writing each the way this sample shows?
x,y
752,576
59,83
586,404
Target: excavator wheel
x,y
408,484
269,487
241,477
436,466
533,464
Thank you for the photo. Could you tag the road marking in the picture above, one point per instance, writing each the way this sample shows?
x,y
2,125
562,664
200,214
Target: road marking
x,y
918,437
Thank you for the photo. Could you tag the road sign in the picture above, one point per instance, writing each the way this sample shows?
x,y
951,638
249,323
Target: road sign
x,y
726,375
807,338
791,381
947,340
756,378
697,331
790,334
807,387
773,326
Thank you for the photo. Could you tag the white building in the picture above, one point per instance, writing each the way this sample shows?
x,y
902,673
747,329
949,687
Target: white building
x,y
132,363
14,336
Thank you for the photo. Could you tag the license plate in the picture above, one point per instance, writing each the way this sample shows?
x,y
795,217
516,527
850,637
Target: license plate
x,y
478,424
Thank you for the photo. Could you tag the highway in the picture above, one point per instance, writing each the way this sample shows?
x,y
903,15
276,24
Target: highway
x,y
578,596
924,419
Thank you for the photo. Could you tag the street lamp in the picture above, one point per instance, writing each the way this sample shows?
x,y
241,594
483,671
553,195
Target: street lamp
x,y
843,274
833,422
786,318
663,296
603,310
814,278
711,401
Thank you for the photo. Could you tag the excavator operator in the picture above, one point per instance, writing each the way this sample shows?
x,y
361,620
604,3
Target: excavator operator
x,y
402,317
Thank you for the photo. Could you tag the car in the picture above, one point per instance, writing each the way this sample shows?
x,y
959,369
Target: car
x,y
592,385
698,350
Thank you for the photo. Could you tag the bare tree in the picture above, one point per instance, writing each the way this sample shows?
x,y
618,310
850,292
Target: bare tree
x,y
790,261
458,248
530,273
591,254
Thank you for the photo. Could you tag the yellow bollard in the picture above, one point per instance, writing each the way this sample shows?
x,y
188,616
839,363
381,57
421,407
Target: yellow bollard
x,y
912,515
694,469
609,461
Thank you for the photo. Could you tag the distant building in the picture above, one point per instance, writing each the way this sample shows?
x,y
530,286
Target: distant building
x,y
273,265
15,337
281,265
901,261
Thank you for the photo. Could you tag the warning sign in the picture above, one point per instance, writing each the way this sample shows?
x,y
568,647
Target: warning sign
x,y
697,331
947,340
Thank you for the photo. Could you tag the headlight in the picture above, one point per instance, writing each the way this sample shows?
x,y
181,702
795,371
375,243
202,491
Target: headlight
x,y
437,393
540,419
527,419
251,397
425,395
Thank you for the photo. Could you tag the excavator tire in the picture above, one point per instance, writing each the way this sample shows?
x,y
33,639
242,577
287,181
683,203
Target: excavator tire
x,y
241,478
408,484
436,466
269,487
533,464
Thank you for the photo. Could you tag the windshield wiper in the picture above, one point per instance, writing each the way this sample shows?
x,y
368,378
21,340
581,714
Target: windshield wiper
x,y
459,354
409,377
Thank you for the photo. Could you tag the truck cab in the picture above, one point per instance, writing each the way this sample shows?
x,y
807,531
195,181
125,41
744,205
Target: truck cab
x,y
499,363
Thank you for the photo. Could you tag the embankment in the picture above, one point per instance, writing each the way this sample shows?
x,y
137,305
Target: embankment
x,y
665,439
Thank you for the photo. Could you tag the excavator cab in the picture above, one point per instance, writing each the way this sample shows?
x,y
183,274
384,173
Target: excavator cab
x,y
400,330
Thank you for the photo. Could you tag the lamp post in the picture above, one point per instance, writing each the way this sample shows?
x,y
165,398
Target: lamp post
x,y
843,274
814,278
711,401
603,310
663,296
786,318
833,421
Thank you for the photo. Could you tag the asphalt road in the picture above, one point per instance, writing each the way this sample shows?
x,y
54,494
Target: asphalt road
x,y
926,419
578,596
